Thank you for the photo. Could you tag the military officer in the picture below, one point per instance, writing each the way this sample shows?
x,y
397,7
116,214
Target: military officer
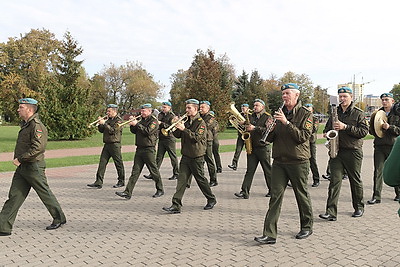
x,y
194,144
383,146
146,130
211,124
30,173
291,153
391,168
112,147
166,144
215,146
261,152
313,149
352,127
239,141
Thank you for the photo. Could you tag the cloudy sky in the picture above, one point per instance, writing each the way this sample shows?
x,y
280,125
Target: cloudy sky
x,y
332,42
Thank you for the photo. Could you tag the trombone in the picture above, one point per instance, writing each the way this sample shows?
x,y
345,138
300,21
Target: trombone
x,y
172,127
97,121
138,118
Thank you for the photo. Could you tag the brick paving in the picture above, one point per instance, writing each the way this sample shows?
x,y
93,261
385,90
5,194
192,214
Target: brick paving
x,y
103,229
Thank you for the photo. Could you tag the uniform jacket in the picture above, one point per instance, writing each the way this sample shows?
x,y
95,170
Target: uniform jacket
x,y
291,142
390,134
111,132
165,120
314,130
211,125
357,127
31,141
194,139
146,131
260,128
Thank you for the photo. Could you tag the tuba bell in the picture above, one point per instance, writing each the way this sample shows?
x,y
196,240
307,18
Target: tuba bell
x,y
239,122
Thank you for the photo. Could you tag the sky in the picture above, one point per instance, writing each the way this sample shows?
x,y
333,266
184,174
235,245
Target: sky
x,y
333,42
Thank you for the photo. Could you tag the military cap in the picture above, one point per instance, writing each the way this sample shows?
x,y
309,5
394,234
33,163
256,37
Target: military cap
x,y
147,105
345,89
28,101
308,105
386,95
212,112
192,101
259,100
205,102
245,105
112,106
290,86
167,103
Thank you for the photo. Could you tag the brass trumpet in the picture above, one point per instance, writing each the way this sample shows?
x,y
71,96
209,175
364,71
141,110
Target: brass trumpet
x,y
97,121
138,118
239,122
172,127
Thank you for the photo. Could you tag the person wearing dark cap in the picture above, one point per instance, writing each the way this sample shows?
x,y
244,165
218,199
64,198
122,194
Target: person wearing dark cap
x,y
30,173
146,130
166,144
112,135
352,127
313,149
239,141
211,124
383,146
261,152
215,146
291,153
193,148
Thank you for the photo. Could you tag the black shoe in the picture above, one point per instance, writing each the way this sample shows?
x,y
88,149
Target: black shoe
x,y
327,176
315,183
148,176
210,205
357,213
54,226
213,184
303,234
219,170
172,210
4,234
98,186
173,177
327,217
396,198
233,167
268,194
119,184
241,195
123,194
265,240
345,177
159,193
188,186
373,201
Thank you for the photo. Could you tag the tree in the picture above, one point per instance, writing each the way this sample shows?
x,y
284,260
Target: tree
x,y
178,91
320,100
303,81
396,92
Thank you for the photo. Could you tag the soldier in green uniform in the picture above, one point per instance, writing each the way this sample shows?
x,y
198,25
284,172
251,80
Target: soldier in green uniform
x,y
261,152
383,146
30,173
166,144
194,144
146,130
391,167
291,153
215,146
112,147
211,124
239,141
352,127
313,149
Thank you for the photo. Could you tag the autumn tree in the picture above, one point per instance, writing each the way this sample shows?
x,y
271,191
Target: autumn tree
x,y
303,81
396,92
320,100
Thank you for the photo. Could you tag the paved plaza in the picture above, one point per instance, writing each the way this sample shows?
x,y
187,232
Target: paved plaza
x,y
104,229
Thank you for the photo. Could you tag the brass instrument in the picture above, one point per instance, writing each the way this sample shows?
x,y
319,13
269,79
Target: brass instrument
x,y
270,127
333,136
378,118
138,118
96,122
239,122
172,127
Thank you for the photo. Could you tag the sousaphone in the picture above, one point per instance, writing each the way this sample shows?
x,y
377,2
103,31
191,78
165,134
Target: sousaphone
x,y
378,118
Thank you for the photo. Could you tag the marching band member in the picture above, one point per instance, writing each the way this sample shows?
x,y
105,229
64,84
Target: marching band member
x,y
239,141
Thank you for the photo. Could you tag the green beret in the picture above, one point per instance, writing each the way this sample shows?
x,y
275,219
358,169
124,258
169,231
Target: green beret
x,y
167,103
147,105
345,90
192,101
290,86
386,95
259,100
245,105
205,102
112,106
28,101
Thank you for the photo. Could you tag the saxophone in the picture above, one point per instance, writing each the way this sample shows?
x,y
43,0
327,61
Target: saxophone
x,y
333,136
238,121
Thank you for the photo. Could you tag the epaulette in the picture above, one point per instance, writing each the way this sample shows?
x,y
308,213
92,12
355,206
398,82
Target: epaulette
x,y
267,113
36,119
154,117
357,108
200,119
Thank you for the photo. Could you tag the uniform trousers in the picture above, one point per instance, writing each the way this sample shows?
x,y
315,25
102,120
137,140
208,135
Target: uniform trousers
x,y
110,150
313,161
167,145
217,157
208,157
238,150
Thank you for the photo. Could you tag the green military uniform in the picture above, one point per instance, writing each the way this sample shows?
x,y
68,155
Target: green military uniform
x,y
29,150
349,158
215,149
146,131
167,143
313,151
112,149
208,157
238,149
291,153
261,153
382,148
193,149
391,168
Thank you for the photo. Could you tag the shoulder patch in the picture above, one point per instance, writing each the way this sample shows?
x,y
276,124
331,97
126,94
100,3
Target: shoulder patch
x,y
309,124
201,129
153,124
